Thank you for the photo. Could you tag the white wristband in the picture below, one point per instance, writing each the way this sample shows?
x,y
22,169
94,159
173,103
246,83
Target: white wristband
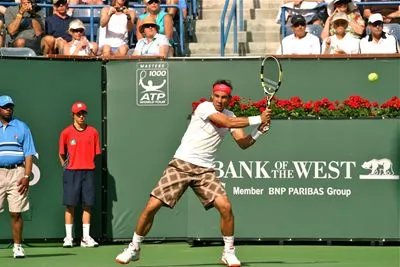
x,y
256,133
254,120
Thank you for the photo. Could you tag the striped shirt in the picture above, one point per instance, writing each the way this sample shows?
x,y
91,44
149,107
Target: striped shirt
x,y
16,143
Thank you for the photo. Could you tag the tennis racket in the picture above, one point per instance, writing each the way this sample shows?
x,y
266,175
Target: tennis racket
x,y
270,77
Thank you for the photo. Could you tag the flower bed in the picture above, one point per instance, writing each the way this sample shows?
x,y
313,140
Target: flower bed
x,y
353,107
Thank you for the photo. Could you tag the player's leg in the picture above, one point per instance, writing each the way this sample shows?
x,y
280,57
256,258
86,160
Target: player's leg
x,y
17,203
211,193
88,198
223,205
143,226
167,192
71,196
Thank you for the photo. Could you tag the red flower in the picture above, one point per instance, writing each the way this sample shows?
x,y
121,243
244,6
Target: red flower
x,y
354,106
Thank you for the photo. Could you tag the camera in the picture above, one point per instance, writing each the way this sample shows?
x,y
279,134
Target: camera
x,y
120,9
35,8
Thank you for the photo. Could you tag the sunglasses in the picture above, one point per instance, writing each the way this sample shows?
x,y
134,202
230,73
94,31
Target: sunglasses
x,y
81,114
299,24
149,26
377,24
153,1
77,30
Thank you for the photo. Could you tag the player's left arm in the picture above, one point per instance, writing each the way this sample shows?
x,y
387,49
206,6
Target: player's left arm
x,y
247,140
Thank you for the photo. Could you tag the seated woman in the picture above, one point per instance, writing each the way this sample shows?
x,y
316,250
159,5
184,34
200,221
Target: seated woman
x,y
116,22
356,22
162,18
341,42
153,43
79,45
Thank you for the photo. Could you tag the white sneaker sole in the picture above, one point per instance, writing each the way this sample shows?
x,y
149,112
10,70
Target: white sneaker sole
x,y
232,265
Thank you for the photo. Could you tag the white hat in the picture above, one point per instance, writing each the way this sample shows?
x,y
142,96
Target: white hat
x,y
340,16
375,17
331,5
76,24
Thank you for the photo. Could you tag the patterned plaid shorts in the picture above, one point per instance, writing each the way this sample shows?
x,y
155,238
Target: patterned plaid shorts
x,y
179,175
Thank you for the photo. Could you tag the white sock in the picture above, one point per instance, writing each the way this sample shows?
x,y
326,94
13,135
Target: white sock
x,y
86,230
228,241
68,231
136,240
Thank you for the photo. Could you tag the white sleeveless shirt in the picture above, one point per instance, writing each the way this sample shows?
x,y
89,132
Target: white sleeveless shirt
x,y
115,33
83,51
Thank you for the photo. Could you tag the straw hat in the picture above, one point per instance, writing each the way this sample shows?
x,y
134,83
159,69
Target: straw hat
x,y
148,21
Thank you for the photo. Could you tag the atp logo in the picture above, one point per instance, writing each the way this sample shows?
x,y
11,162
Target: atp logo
x,y
379,169
152,88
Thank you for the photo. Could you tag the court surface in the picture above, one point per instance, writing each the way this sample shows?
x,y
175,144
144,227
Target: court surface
x,y
181,254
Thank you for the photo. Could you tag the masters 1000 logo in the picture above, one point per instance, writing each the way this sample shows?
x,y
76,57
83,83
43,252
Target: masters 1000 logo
x,y
152,84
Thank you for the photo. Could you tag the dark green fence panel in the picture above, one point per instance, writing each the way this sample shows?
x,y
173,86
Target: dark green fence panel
x,y
144,125
44,91
145,128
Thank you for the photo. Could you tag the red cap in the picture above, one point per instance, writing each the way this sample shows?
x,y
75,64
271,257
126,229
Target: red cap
x,y
78,106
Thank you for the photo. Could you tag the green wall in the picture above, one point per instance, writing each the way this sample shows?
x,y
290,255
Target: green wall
x,y
140,138
43,92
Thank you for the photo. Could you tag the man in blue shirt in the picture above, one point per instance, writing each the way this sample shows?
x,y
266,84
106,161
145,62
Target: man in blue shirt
x,y
16,151
56,29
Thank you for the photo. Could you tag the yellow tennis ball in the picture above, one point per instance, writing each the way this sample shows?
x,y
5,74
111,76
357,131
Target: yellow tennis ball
x,y
373,76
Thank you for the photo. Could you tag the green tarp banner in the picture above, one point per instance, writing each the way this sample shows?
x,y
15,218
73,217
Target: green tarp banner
x,y
306,179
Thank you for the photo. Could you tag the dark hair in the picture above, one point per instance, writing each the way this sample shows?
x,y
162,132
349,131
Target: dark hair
x,y
126,3
226,82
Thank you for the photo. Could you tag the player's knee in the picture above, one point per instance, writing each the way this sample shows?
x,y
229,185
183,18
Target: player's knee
x,y
223,205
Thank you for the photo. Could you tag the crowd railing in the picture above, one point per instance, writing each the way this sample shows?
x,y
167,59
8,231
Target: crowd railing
x,y
232,20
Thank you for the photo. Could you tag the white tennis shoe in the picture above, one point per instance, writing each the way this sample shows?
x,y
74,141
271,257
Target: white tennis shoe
x,y
88,242
129,254
229,258
68,242
18,252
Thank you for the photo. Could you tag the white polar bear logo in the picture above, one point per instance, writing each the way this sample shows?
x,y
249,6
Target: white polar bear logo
x,y
379,166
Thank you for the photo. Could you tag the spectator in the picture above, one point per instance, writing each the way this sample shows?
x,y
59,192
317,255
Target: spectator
x,y
174,12
2,28
79,144
56,29
163,19
314,11
356,25
82,2
378,41
153,43
341,42
390,13
116,22
24,26
300,42
79,44
17,149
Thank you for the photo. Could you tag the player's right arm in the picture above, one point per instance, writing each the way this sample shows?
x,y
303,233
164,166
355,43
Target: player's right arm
x,y
224,121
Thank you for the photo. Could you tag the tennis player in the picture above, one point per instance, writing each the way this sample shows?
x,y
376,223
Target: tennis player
x,y
193,165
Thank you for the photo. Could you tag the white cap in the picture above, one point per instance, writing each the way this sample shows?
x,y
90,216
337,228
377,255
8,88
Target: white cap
x,y
76,24
375,17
